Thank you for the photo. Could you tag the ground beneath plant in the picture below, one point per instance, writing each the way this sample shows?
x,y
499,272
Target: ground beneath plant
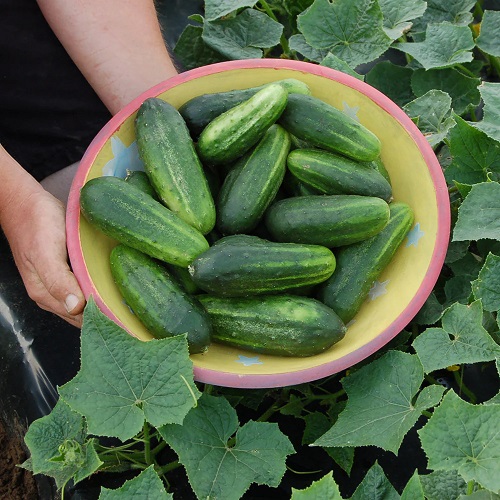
x,y
15,483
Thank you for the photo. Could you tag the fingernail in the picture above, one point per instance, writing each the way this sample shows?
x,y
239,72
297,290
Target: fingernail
x,y
71,302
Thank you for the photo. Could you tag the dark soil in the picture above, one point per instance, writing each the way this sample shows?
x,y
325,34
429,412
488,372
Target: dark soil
x,y
15,483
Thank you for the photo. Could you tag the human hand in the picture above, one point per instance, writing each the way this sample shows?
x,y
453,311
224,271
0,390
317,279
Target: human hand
x,y
35,229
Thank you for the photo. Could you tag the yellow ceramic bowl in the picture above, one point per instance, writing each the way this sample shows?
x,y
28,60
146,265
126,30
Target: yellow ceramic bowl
x,y
394,300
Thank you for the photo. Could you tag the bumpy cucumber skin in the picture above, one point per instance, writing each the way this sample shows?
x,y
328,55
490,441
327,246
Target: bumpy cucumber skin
x,y
158,300
199,111
244,265
141,180
280,325
330,173
130,216
328,220
252,184
172,164
234,132
326,127
359,265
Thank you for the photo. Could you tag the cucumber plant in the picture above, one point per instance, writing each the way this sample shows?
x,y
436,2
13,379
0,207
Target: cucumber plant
x,y
439,61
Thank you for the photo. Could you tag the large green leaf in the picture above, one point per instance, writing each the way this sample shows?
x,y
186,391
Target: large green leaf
x,y
60,447
332,61
413,489
299,44
326,488
123,380
487,285
488,38
464,437
462,339
392,80
453,11
353,31
490,124
443,485
217,468
432,114
460,87
479,214
146,485
445,45
243,36
381,406
474,154
398,15
215,9
375,486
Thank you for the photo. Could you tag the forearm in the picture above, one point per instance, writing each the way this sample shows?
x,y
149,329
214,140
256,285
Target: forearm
x,y
116,44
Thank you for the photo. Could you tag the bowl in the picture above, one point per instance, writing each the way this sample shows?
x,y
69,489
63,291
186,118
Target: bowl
x,y
394,300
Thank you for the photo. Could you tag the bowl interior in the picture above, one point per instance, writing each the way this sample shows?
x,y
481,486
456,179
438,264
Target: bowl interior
x,y
397,296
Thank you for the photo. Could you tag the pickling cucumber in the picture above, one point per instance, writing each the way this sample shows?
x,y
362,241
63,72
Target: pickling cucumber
x,y
324,126
158,300
328,220
359,265
234,132
130,216
330,173
252,184
280,325
172,164
244,265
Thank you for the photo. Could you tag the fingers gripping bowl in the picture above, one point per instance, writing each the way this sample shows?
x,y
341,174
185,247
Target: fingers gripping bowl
x,y
394,298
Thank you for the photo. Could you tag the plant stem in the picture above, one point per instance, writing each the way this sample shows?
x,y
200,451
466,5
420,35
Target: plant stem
x,y
463,388
426,413
470,487
147,444
466,71
167,468
283,40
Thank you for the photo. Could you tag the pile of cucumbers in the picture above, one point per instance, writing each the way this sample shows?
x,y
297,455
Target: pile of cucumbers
x,y
261,220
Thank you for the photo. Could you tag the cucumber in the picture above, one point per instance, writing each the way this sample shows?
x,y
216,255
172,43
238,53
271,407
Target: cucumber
x,y
244,265
378,165
158,300
199,111
141,180
280,325
130,216
234,132
359,265
330,173
252,184
326,127
172,164
328,220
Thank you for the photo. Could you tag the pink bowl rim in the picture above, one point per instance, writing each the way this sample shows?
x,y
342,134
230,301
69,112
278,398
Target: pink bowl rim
x,y
254,381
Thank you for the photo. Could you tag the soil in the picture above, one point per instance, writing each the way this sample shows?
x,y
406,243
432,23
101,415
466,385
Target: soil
x,y
15,483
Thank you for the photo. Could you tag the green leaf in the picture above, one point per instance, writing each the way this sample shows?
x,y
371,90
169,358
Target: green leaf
x,y
445,45
243,36
430,312
480,495
487,286
123,380
380,407
413,489
490,124
457,289
192,51
375,486
59,446
462,89
479,214
353,31
146,485
217,468
462,339
298,44
432,114
215,9
488,38
453,11
443,485
474,154
332,61
392,80
464,437
456,250
326,487
398,15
